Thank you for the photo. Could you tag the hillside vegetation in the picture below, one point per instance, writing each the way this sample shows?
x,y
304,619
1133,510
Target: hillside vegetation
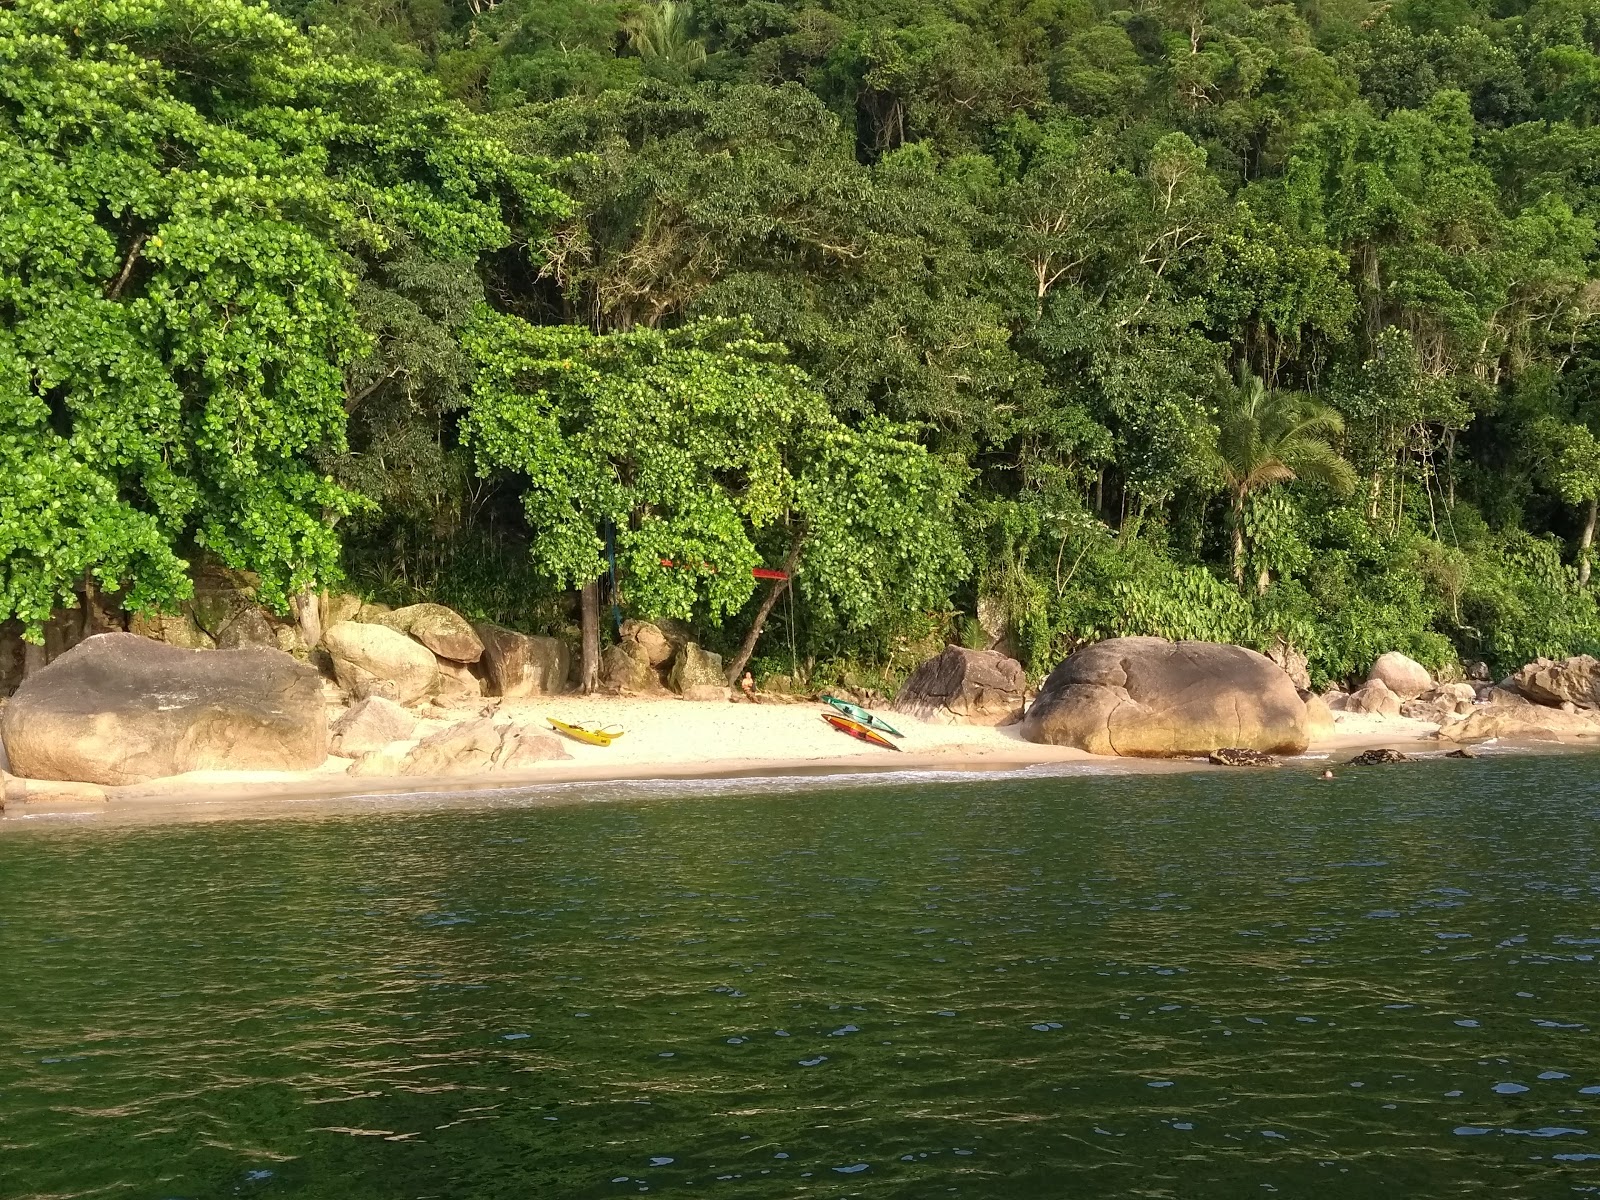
x,y
1039,320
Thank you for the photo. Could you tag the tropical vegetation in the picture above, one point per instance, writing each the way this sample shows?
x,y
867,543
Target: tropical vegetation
x,y
1023,322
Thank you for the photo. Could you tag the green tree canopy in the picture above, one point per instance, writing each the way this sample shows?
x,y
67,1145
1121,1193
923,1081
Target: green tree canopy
x,y
705,455
190,185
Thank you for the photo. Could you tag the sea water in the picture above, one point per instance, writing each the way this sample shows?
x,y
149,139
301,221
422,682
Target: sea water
x,y
1218,984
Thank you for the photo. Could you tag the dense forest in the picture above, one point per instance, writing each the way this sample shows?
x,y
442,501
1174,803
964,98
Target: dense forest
x,y
1016,321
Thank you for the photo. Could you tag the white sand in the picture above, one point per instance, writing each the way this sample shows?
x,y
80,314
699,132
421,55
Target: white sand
x,y
665,738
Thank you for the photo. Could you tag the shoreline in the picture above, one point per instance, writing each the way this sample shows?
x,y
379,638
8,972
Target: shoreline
x,y
670,742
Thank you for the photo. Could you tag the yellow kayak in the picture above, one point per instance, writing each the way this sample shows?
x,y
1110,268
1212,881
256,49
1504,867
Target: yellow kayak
x,y
587,733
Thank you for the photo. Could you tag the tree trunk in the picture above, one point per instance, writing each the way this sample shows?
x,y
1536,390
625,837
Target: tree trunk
x,y
1263,581
779,586
33,658
309,615
1238,543
1586,544
589,660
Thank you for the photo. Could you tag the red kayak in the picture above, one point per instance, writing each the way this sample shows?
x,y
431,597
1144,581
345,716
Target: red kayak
x,y
858,731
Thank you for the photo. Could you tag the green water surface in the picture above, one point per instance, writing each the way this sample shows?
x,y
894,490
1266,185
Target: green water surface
x,y
1207,985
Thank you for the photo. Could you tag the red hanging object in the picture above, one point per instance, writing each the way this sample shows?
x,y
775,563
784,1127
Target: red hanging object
x,y
758,572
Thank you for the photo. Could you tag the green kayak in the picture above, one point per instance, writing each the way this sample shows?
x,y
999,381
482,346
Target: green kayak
x,y
860,714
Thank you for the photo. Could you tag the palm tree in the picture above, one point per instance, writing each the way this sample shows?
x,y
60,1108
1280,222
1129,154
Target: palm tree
x,y
661,32
1267,437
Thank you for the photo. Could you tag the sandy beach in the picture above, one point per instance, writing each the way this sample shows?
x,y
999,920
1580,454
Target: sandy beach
x,y
666,739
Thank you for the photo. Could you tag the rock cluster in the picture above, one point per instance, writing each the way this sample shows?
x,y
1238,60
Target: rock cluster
x,y
660,656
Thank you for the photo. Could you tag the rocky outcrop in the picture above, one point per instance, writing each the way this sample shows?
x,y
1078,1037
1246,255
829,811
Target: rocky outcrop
x,y
698,675
1293,661
1374,697
652,640
1378,758
171,629
334,607
524,748
1403,676
470,748
374,660
1574,681
517,664
1238,756
121,709
1148,697
443,630
248,626
625,667
457,684
1441,704
1521,722
369,725
961,686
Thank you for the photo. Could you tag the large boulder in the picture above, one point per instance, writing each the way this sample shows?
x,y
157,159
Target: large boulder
x,y
974,687
1403,676
1319,719
698,674
443,630
1519,722
374,660
1151,698
368,725
518,664
119,709
658,648
1573,681
1374,697
625,667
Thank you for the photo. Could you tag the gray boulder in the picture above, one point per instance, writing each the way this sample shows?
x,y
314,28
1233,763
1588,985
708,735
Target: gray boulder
x,y
652,639
443,630
961,686
1151,698
625,667
121,709
457,684
1574,681
368,725
698,674
1374,697
1403,676
526,747
248,626
518,664
469,748
374,660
